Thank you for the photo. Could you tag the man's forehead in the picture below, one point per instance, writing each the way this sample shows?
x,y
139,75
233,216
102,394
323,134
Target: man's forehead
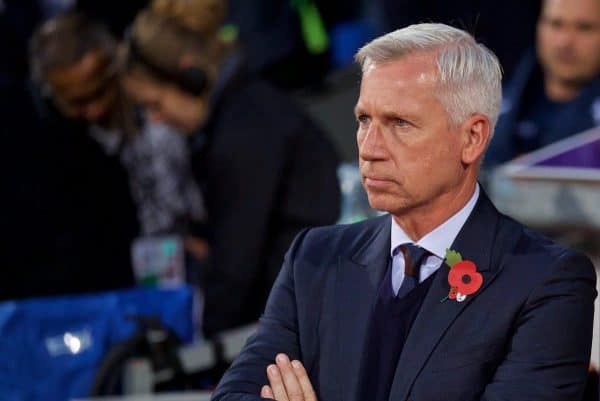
x,y
420,67
406,73
576,10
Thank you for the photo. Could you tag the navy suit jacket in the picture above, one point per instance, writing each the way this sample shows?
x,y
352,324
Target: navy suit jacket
x,y
525,335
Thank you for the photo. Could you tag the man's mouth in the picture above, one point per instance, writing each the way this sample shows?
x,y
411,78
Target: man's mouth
x,y
376,181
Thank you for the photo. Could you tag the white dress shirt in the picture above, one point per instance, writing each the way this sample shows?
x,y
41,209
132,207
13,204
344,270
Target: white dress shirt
x,y
436,242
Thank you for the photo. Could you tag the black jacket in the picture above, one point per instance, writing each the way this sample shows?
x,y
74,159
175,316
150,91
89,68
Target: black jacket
x,y
524,335
266,172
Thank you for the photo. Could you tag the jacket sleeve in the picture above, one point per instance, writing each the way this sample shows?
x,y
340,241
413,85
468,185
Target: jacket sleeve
x,y
277,332
549,352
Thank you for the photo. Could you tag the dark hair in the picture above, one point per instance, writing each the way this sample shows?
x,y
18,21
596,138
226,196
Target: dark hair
x,y
64,40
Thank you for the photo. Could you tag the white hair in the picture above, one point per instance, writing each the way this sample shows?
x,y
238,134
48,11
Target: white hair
x,y
469,74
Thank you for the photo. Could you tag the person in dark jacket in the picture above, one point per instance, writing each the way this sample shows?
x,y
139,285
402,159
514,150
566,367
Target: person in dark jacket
x,y
73,61
265,169
555,92
70,219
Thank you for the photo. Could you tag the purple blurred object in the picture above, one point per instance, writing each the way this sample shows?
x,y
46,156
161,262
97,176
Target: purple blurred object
x,y
574,158
586,155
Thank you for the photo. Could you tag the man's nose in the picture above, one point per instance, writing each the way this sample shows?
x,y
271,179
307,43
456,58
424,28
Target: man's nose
x,y
371,144
564,37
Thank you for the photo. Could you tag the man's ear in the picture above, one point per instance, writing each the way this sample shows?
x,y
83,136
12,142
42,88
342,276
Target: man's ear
x,y
476,134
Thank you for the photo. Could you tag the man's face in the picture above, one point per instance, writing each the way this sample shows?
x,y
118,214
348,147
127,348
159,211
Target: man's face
x,y
409,155
568,40
164,102
86,90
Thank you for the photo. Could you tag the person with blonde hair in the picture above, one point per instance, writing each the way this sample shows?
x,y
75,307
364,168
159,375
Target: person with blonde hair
x,y
202,16
74,62
265,168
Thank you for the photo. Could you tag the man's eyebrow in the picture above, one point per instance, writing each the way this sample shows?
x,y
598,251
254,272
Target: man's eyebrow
x,y
409,117
390,114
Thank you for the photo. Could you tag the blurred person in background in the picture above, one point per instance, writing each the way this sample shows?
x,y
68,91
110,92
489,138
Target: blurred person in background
x,y
19,18
73,61
69,217
555,92
265,169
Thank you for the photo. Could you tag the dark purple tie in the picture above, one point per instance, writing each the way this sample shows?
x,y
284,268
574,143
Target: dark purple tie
x,y
413,258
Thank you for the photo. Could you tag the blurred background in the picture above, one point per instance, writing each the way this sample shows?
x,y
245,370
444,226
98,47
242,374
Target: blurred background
x,y
160,156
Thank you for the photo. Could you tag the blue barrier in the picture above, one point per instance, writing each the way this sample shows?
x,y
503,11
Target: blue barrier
x,y
50,348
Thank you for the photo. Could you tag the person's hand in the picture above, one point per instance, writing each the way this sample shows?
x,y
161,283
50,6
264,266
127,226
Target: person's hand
x,y
288,381
198,247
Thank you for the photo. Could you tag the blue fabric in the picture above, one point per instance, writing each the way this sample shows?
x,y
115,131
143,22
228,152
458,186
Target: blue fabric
x,y
347,37
50,348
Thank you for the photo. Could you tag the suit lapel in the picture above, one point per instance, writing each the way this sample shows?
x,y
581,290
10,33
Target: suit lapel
x,y
358,278
475,242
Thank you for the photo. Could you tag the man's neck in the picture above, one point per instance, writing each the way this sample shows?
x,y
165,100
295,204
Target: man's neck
x,y
422,220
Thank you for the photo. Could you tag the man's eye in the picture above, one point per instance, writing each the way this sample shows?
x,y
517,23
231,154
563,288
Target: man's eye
x,y
400,122
362,119
555,24
585,27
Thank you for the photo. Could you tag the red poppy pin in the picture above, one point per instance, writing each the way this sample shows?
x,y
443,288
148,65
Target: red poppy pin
x,y
463,278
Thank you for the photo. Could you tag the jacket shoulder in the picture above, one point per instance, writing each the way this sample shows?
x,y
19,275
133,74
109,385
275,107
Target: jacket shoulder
x,y
340,240
543,255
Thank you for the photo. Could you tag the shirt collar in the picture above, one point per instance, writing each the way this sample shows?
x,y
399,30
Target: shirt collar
x,y
441,238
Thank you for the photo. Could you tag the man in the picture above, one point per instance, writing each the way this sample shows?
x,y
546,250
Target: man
x,y
70,219
556,93
74,64
67,178
372,311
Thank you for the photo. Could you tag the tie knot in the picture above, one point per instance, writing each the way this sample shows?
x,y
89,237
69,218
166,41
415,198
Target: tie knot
x,y
413,258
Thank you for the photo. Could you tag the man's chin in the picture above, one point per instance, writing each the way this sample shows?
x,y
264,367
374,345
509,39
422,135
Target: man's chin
x,y
573,77
383,202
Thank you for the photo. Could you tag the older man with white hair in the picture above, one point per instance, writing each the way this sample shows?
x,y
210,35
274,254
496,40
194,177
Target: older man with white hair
x,y
443,298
